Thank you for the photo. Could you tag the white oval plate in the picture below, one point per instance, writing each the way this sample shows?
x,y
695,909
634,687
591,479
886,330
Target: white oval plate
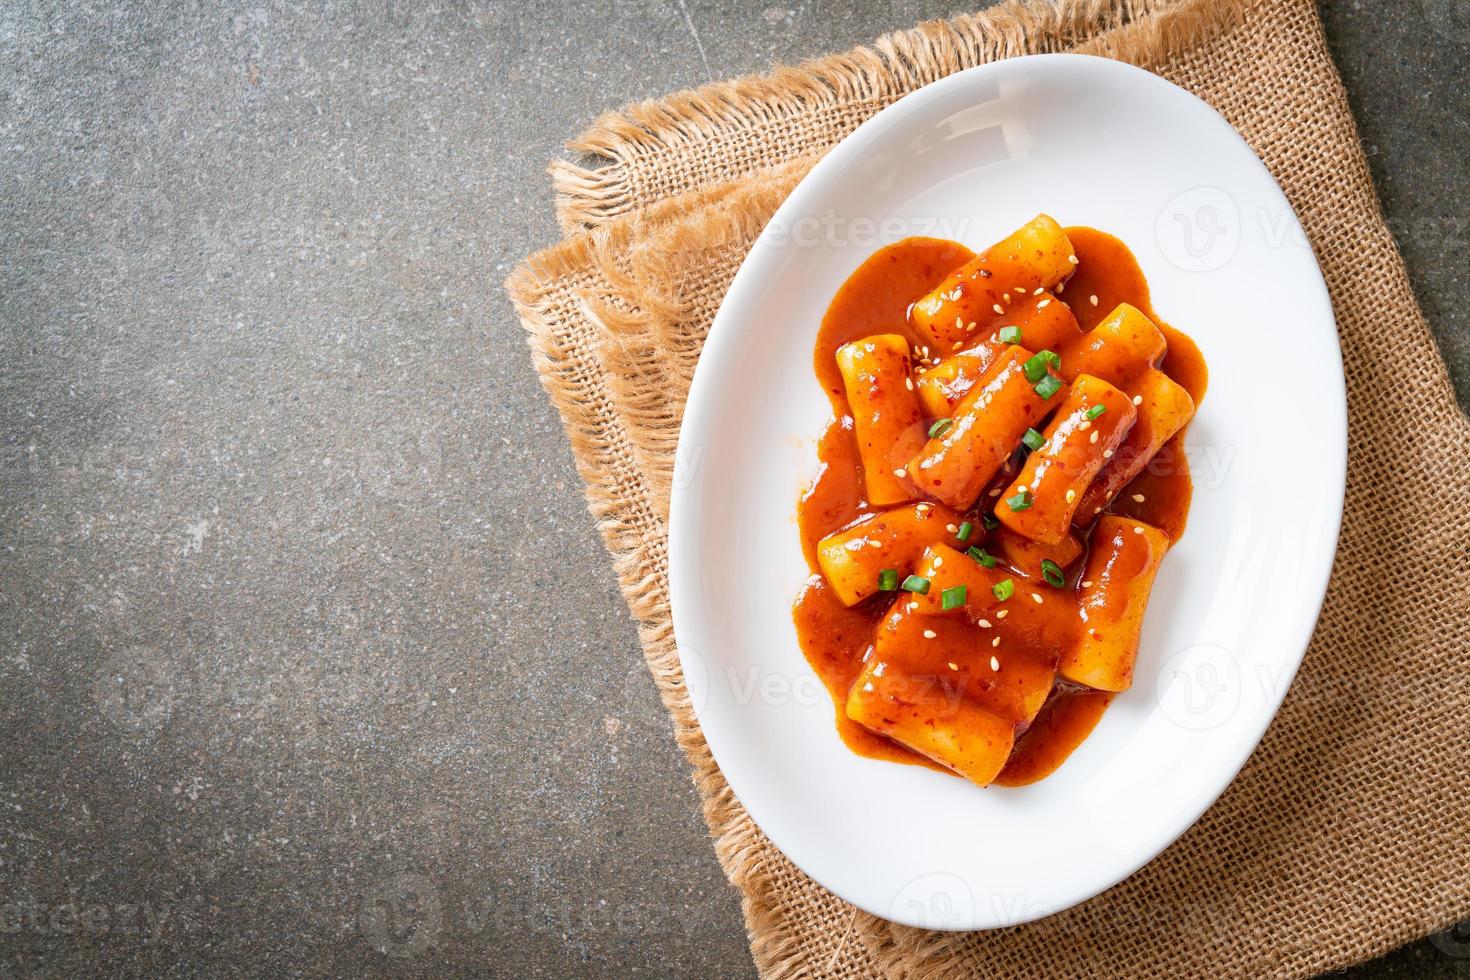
x,y
972,157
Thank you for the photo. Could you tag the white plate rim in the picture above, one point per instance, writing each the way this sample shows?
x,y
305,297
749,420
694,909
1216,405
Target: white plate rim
x,y
724,333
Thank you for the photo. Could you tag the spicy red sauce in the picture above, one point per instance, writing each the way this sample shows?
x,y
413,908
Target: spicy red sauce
x,y
876,299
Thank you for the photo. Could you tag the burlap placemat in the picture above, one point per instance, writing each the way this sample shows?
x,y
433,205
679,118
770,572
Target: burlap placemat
x,y
1346,834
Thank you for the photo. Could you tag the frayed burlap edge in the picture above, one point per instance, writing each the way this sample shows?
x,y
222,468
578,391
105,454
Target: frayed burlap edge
x,y
650,359
608,454
872,76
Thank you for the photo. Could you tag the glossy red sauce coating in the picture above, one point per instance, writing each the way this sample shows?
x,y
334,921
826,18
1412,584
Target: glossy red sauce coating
x,y
1067,719
887,284
876,299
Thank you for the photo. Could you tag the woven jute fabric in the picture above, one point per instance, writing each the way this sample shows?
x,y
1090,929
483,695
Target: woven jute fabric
x,y
1346,833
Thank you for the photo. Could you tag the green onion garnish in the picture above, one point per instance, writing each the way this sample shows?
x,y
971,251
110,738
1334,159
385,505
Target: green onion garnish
x,y
966,529
1037,364
952,598
980,555
916,583
1021,501
940,427
888,580
1009,335
1004,590
1096,410
1052,572
989,522
1048,386
1033,439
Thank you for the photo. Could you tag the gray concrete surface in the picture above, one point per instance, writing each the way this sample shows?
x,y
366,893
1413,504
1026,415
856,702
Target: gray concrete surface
x,y
311,659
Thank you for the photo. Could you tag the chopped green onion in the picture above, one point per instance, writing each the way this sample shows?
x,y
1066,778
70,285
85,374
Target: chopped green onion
x,y
989,522
1009,335
888,580
980,555
1096,410
966,529
940,427
1004,590
1037,365
1021,501
1052,572
952,598
1048,386
916,583
1033,439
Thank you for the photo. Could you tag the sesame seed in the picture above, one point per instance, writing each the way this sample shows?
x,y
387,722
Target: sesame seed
x,y
951,529
913,606
1036,598
874,543
998,308
1086,424
1092,299
959,323
1043,304
1138,498
957,345
925,508
1138,399
952,666
1071,495
1087,583
1039,290
1001,613
930,634
994,664
1107,454
995,492
1072,259
900,473
1093,437
983,623
908,383
1138,530
995,642
1097,510
938,562
1005,297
